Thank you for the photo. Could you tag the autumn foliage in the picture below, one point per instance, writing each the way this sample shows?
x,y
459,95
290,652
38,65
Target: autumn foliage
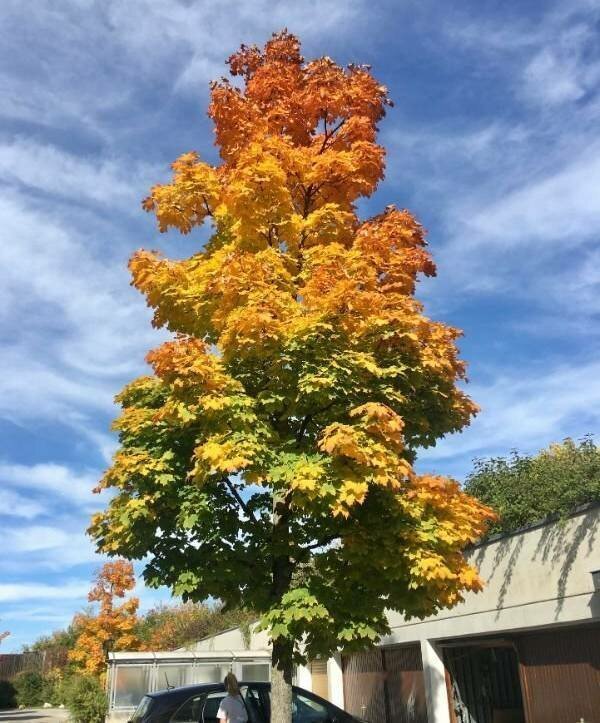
x,y
268,459
114,625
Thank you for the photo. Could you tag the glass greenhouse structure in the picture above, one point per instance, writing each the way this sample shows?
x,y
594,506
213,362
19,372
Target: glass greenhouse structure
x,y
132,675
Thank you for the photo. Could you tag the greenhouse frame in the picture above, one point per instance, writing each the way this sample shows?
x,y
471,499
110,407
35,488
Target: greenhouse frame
x,y
133,674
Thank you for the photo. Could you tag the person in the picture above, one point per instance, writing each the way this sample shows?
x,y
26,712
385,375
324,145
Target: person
x,y
232,708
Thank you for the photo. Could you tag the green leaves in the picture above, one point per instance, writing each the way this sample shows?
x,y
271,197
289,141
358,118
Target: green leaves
x,y
527,488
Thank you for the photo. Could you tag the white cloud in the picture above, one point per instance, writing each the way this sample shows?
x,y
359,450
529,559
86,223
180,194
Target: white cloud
x,y
97,55
51,479
13,504
67,590
74,329
203,38
46,548
44,167
547,58
525,409
562,207
560,72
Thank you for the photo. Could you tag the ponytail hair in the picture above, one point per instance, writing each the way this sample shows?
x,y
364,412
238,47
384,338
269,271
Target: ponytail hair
x,y
231,684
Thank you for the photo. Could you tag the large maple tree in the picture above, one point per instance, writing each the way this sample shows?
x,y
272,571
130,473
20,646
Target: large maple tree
x,y
268,459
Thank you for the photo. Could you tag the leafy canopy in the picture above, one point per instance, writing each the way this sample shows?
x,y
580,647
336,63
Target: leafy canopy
x,y
267,460
527,488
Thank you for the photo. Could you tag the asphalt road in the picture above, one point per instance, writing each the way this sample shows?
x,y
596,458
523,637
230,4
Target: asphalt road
x,y
39,715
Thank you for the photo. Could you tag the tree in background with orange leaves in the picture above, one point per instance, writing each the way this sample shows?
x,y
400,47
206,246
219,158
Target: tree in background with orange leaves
x,y
114,626
268,459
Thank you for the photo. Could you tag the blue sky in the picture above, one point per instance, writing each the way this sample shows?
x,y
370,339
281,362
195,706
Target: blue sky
x,y
493,143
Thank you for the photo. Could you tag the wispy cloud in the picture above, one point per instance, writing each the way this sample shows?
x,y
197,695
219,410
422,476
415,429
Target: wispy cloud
x,y
68,590
13,504
51,479
43,167
524,410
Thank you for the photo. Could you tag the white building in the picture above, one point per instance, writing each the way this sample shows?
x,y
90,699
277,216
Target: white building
x,y
526,649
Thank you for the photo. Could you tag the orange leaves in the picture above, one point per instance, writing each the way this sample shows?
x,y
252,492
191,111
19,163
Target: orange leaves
x,y
114,579
393,243
113,627
187,363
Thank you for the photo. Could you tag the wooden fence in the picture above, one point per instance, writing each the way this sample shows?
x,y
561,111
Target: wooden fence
x,y
11,664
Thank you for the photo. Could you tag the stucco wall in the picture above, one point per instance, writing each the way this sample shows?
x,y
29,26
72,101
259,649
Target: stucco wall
x,y
233,640
534,578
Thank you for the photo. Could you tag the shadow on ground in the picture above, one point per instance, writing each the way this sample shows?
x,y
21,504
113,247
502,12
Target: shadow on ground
x,y
38,715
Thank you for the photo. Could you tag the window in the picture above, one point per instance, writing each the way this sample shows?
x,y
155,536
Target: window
x,y
306,709
172,676
190,711
309,710
257,704
211,707
256,672
142,709
131,684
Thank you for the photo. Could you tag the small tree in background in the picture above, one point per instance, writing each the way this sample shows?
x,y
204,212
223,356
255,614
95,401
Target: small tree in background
x,y
267,462
113,628
527,488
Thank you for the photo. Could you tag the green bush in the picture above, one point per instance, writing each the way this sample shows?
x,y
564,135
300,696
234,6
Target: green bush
x,y
8,697
29,688
524,489
85,699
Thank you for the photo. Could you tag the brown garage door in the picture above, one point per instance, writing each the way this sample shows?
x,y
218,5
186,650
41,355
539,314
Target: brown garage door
x,y
385,685
560,673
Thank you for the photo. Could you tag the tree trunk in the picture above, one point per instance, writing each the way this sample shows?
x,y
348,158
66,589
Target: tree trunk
x,y
281,682
283,649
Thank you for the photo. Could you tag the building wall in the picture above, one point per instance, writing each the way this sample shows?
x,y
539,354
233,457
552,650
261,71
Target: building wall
x,y
534,578
234,639
539,578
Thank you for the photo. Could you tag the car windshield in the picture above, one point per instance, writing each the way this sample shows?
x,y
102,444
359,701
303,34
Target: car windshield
x,y
141,710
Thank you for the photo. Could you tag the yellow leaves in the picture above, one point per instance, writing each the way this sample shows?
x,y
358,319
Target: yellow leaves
x,y
129,465
381,421
219,454
306,476
189,199
342,440
469,579
432,567
352,492
258,199
462,519
328,224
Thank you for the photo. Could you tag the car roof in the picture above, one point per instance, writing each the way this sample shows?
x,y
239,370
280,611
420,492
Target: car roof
x,y
199,688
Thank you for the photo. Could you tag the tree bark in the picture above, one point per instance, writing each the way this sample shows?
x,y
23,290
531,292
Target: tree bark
x,y
283,648
281,682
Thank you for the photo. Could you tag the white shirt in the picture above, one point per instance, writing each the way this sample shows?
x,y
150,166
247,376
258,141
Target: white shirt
x,y
232,708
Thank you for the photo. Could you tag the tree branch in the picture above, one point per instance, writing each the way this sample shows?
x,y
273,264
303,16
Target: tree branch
x,y
305,422
247,511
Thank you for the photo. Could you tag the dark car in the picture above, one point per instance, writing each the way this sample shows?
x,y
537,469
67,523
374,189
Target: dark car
x,y
200,703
